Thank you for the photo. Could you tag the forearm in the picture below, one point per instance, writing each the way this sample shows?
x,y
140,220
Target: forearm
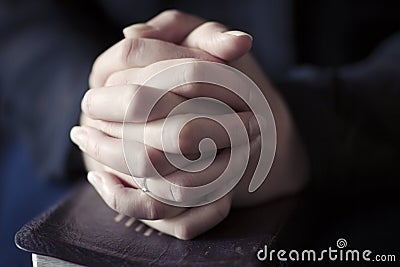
x,y
289,171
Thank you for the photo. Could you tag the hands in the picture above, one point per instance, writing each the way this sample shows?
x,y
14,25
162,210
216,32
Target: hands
x,y
169,38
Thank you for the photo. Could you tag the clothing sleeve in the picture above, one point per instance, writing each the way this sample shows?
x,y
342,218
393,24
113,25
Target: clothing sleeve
x,y
46,53
348,118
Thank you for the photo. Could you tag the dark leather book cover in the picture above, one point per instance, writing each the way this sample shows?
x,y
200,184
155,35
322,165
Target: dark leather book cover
x,y
83,230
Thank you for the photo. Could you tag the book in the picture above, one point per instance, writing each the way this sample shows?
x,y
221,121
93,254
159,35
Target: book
x,y
46,261
83,230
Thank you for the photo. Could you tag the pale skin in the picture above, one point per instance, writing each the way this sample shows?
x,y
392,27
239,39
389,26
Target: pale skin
x,y
170,38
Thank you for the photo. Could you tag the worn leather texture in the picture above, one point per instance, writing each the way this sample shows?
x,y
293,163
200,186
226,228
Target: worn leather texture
x,y
83,230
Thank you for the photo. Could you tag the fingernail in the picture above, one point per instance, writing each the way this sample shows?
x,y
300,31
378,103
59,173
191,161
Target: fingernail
x,y
93,178
79,136
239,33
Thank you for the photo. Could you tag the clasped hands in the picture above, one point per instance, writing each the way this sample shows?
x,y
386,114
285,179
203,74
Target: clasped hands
x,y
171,37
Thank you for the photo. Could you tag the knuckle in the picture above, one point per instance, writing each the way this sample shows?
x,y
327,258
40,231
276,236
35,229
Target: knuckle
x,y
113,79
119,78
95,65
212,24
173,14
131,49
137,30
94,78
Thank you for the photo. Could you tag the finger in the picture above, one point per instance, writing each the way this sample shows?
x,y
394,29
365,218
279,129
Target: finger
x,y
144,162
195,221
139,52
212,37
215,38
184,75
130,201
170,26
93,165
189,71
179,181
191,179
179,134
126,179
130,103
182,134
141,75
228,164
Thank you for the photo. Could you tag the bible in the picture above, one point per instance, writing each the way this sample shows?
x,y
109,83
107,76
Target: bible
x,y
83,230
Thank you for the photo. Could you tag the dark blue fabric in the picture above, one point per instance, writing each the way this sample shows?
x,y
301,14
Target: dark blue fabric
x,y
22,196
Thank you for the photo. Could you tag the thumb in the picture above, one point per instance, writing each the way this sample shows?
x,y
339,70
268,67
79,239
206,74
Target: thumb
x,y
191,31
170,26
215,39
